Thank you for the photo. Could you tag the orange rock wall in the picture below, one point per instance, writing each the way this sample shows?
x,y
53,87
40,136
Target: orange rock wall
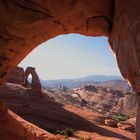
x,y
125,40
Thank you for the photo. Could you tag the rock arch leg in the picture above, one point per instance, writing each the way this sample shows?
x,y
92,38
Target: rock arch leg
x,y
125,42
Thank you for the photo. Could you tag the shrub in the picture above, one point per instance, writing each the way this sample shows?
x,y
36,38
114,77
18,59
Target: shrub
x,y
67,132
120,118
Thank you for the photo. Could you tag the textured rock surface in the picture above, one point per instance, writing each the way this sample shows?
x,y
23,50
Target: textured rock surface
x,y
126,105
100,98
14,128
16,76
111,122
126,126
125,41
20,129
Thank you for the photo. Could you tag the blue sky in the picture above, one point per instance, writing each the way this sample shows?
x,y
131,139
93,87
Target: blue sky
x,y
72,55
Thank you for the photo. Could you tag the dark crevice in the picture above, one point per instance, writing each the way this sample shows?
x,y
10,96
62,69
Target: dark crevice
x,y
13,51
45,14
10,37
57,22
2,73
39,6
113,12
14,37
5,39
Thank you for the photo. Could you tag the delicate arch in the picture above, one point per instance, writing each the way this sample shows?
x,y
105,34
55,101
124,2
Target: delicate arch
x,y
35,84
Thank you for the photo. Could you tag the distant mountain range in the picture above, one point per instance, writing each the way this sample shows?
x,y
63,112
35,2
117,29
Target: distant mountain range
x,y
79,82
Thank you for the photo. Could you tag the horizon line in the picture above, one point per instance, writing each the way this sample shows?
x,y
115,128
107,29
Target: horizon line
x,y
77,77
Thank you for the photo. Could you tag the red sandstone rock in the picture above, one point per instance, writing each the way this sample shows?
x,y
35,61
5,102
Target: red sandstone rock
x,y
35,83
126,105
111,122
50,115
15,128
126,126
16,76
132,121
125,39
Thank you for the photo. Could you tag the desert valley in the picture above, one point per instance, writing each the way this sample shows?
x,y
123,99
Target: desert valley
x,y
96,111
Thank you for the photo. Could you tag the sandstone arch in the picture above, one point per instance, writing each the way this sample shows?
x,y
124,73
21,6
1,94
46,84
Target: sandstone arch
x,y
27,23
35,84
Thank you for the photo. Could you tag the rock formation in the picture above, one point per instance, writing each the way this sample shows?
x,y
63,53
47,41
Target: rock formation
x,y
99,97
51,116
16,76
26,24
126,126
35,83
126,105
111,122
90,88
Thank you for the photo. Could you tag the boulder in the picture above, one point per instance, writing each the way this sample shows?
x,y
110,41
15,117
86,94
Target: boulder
x,y
132,121
16,76
126,126
111,122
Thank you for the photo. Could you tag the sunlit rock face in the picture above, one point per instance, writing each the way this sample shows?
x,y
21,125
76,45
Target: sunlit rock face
x,y
25,24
